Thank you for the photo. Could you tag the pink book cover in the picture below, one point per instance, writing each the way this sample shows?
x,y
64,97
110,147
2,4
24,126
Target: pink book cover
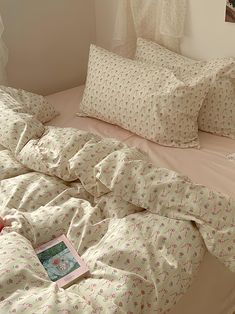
x,y
61,261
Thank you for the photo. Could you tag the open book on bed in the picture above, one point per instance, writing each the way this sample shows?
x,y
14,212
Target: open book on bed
x,y
61,261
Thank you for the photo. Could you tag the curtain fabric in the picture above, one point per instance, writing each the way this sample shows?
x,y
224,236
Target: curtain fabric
x,y
3,56
158,20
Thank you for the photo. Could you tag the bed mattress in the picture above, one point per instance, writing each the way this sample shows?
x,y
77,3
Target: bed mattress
x,y
213,291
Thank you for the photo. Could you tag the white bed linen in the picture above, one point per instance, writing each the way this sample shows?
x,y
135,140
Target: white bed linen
x,y
213,291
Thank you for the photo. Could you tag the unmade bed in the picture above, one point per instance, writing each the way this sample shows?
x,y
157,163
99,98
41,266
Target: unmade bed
x,y
154,224
213,290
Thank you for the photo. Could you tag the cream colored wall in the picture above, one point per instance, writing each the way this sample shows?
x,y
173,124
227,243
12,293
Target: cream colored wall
x,y
206,33
105,16
48,42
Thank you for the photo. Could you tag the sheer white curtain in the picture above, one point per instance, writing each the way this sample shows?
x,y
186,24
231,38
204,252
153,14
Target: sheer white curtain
x,y
158,20
3,56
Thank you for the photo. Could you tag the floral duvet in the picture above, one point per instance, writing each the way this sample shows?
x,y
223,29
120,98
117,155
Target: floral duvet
x,y
142,230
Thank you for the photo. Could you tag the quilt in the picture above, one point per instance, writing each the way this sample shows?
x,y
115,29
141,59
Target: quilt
x,y
141,229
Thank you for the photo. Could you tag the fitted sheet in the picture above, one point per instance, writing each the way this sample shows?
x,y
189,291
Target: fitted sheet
x,y
213,291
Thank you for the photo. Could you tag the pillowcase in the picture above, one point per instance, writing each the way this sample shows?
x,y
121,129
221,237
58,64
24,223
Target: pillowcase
x,y
143,99
217,114
20,100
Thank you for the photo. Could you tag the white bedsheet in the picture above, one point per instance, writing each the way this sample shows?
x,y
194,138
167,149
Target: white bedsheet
x,y
213,291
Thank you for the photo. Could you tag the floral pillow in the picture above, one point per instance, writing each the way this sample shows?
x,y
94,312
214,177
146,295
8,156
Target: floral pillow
x,y
22,101
217,114
151,102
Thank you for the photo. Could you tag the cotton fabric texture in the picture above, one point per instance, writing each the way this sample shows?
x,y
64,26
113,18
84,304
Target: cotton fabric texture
x,y
159,20
153,103
217,114
23,101
3,55
130,221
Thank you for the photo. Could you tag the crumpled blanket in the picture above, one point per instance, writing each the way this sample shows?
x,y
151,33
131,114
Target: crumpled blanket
x,y
142,230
